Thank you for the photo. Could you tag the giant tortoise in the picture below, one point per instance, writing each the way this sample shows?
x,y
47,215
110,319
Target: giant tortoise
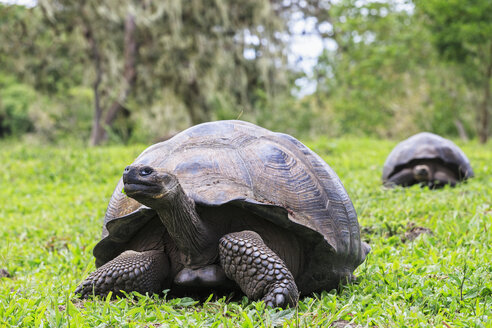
x,y
426,159
228,202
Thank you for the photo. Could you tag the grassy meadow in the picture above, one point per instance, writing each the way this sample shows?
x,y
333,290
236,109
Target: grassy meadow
x,y
52,200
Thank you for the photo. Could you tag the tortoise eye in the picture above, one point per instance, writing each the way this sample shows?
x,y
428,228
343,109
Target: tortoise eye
x,y
146,171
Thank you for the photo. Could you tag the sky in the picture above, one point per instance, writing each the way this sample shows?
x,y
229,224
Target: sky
x,y
27,3
305,47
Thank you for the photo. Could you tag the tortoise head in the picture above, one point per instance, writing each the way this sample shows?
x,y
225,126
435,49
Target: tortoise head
x,y
422,173
149,185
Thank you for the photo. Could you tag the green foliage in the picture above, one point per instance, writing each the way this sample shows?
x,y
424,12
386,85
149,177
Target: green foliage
x,y
15,100
364,78
40,79
385,78
197,61
46,59
25,112
460,30
461,33
451,102
192,51
67,116
53,201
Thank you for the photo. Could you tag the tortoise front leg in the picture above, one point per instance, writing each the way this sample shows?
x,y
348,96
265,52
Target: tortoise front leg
x,y
259,272
403,178
143,272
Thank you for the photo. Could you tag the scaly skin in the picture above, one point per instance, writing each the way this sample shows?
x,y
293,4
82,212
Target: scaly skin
x,y
259,272
144,272
403,178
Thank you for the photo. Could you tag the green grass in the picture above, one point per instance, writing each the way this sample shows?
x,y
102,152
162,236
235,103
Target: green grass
x,y
52,201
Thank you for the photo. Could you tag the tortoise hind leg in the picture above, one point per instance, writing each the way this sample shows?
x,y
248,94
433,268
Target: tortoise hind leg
x,y
144,272
259,272
443,177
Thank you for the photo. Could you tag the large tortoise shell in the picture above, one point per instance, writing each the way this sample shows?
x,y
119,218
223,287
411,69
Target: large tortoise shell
x,y
426,145
271,174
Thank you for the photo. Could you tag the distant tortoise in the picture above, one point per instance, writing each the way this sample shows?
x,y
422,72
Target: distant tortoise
x,y
228,200
428,159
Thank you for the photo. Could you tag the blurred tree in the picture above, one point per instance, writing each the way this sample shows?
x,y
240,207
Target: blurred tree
x,y
36,55
364,78
108,46
151,69
461,31
36,65
14,109
204,52
383,77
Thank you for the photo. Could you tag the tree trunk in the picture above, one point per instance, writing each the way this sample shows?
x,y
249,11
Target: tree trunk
x,y
99,133
484,108
461,130
97,129
129,74
196,103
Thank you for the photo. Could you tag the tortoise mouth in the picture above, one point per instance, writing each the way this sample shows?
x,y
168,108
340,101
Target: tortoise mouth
x,y
135,185
421,176
139,188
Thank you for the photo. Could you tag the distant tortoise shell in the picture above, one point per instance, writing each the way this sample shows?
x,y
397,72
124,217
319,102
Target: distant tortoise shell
x,y
270,174
426,145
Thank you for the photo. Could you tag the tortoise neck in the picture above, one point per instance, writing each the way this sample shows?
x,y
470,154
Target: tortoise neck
x,y
185,227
